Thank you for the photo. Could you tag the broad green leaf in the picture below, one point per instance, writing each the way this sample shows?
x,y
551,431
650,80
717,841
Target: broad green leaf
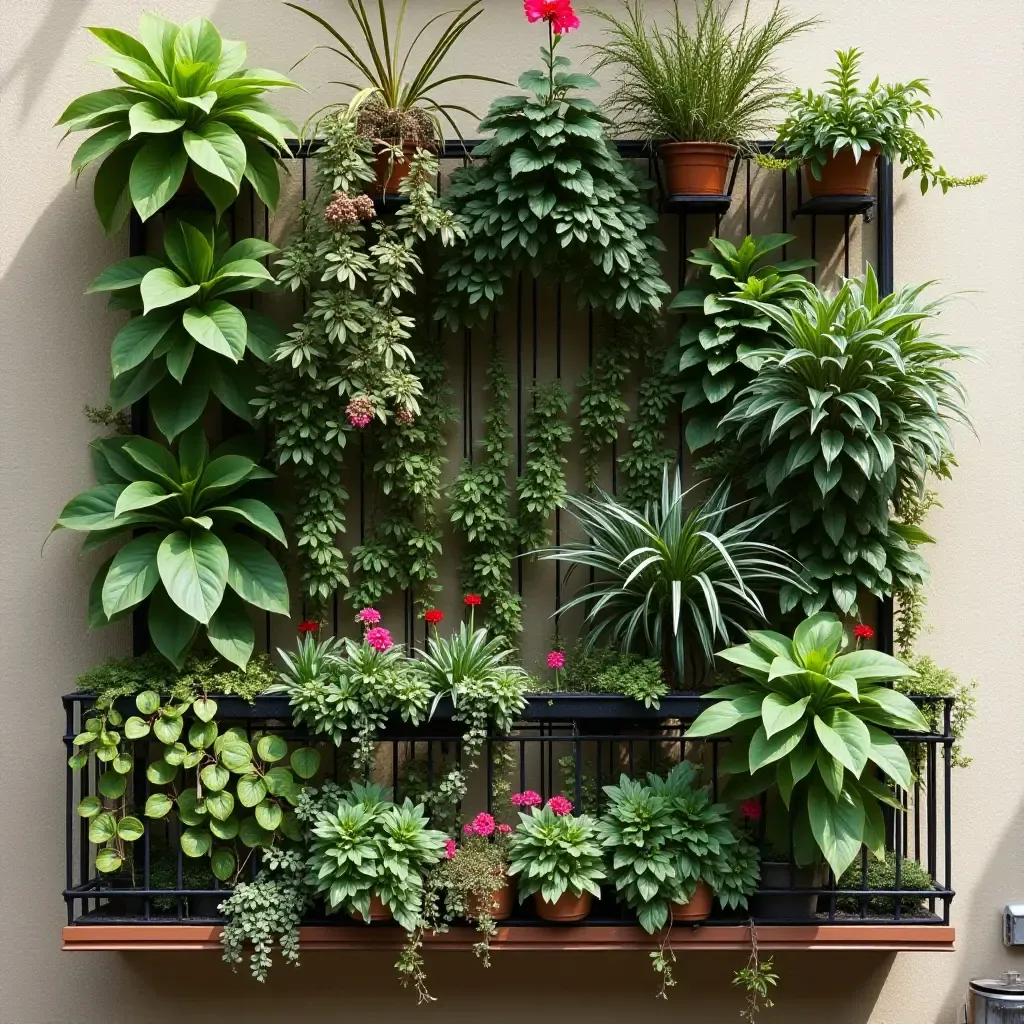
x,y
253,834
215,777
199,249
832,772
853,757
305,762
154,458
172,629
779,713
148,117
872,667
128,387
191,810
89,806
724,716
157,35
222,864
102,828
130,829
94,104
156,173
837,825
205,708
775,645
147,702
764,750
108,861
92,509
175,753
164,287
269,815
111,191
196,842
127,273
236,755
217,149
135,342
218,326
251,790
135,729
271,748
112,785
220,804
817,639
158,805
256,513
279,781
261,172
894,710
167,728
231,631
176,407
221,193
141,494
198,42
202,735
889,756
194,569
255,575
222,475
132,575
226,829
801,760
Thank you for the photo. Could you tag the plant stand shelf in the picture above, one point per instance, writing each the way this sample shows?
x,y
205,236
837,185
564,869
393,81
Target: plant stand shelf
x,y
867,937
847,206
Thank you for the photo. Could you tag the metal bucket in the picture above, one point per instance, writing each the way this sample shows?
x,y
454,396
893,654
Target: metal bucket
x,y
1001,1001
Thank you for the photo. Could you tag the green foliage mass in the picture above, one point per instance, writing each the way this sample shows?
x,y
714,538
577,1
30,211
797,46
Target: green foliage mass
x,y
882,875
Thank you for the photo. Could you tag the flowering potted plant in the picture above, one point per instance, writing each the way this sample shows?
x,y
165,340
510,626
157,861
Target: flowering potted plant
x,y
700,93
557,857
839,133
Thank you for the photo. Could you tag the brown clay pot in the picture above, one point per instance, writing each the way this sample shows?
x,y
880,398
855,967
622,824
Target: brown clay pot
x,y
566,909
699,906
696,168
378,911
501,903
842,176
391,173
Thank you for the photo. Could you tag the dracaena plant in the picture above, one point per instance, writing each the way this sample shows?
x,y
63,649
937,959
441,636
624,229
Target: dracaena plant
x,y
847,415
186,105
189,340
193,554
721,344
555,853
809,723
670,579
880,117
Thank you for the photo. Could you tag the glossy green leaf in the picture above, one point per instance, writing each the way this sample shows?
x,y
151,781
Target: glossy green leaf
x,y
220,804
218,326
194,569
89,806
158,805
130,829
108,861
222,864
305,762
255,575
172,629
147,702
217,149
271,748
164,287
102,828
269,815
157,173
251,790
196,842
147,117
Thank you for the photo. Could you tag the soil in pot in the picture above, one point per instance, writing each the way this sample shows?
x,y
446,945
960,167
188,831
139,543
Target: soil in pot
x,y
566,909
696,168
785,906
378,911
393,170
843,176
498,905
698,908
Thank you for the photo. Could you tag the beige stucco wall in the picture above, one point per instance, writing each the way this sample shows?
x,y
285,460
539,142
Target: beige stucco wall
x,y
54,355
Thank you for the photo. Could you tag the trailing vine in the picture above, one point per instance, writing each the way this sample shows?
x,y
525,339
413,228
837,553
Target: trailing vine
x,y
479,503
541,488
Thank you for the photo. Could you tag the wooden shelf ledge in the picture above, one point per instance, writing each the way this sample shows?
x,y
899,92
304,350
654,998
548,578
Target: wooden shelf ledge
x,y
895,938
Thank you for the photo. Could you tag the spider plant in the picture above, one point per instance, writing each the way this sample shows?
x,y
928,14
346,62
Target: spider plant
x,y
668,575
714,82
405,106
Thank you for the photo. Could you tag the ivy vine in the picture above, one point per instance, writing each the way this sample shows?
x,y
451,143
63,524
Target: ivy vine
x,y
541,487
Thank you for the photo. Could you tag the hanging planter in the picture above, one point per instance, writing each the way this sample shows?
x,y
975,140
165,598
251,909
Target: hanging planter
x,y
696,168
843,175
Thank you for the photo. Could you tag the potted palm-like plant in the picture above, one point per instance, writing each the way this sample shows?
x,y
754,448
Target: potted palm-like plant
x,y
839,133
700,93
399,111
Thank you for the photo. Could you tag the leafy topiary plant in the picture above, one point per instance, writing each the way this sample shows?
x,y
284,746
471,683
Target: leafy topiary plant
x,y
881,874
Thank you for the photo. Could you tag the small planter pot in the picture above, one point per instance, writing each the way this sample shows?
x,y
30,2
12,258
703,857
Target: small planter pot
x,y
378,912
783,906
843,176
500,903
696,168
697,909
566,909
124,906
391,172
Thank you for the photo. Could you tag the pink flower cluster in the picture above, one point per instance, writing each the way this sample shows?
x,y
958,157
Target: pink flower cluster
x,y
345,209
556,660
449,849
558,12
369,616
527,799
405,417
504,829
379,638
560,806
360,412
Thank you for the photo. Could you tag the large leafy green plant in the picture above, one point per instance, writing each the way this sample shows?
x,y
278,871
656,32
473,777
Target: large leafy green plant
x,y
849,413
809,723
548,194
880,118
189,341
720,345
668,578
186,105
554,854
191,555
367,846
713,82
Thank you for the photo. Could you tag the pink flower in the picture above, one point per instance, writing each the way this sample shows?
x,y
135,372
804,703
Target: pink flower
x,y
483,824
379,638
558,12
751,809
406,417
370,616
345,209
560,806
504,829
467,830
449,849
556,660
360,412
526,799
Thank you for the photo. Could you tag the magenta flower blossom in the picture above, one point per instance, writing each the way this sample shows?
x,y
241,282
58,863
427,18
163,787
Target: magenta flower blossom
x,y
360,412
526,799
449,849
483,824
379,638
504,829
560,806
369,616
467,830
556,660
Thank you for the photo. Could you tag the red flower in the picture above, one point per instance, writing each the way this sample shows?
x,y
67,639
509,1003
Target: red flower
x,y
473,600
558,12
751,809
433,616
308,627
862,632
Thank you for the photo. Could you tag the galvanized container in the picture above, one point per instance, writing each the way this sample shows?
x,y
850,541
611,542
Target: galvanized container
x,y
997,1001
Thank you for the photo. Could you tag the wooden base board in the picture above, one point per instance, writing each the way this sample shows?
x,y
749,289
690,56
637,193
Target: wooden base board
x,y
895,938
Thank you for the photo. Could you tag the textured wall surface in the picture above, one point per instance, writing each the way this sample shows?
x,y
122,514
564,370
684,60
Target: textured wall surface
x,y
55,346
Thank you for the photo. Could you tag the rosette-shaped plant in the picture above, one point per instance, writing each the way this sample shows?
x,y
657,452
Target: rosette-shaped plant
x,y
556,853
848,414
721,343
804,723
189,341
186,104
192,554
550,194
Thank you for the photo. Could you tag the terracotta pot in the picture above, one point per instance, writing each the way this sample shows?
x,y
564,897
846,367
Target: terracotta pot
x,y
501,902
566,909
699,906
696,168
842,176
392,172
378,911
